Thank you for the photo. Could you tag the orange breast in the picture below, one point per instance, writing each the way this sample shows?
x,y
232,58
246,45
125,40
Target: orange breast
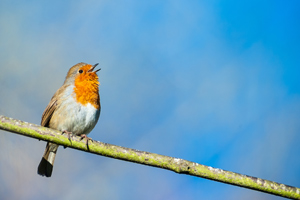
x,y
87,89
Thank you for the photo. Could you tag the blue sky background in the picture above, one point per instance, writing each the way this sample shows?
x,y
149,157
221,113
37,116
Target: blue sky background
x,y
214,82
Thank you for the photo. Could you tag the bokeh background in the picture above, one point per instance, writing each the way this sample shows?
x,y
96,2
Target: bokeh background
x,y
214,82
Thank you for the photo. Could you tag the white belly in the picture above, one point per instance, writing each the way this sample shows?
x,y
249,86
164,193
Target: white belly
x,y
73,117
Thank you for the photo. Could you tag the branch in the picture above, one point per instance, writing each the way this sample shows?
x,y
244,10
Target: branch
x,y
151,159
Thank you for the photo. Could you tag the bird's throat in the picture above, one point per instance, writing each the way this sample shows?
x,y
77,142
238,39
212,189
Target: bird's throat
x,y
87,91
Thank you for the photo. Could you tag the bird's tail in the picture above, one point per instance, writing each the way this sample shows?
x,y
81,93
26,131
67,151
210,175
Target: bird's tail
x,y
47,162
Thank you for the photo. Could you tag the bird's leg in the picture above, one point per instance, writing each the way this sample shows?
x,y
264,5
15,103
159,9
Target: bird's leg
x,y
87,140
70,135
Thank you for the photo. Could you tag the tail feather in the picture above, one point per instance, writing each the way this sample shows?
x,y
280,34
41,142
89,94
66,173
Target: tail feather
x,y
46,165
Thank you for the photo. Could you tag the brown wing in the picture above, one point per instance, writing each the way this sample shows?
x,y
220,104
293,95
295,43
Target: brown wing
x,y
54,102
47,114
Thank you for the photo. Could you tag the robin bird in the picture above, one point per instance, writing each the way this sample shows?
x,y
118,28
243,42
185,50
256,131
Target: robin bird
x,y
74,108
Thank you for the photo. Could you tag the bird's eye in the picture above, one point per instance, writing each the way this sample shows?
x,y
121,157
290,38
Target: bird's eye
x,y
80,71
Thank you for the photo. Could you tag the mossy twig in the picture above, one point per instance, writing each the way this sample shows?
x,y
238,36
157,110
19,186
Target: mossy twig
x,y
151,159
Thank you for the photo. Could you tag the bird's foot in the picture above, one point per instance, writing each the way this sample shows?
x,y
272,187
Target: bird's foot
x,y
87,140
70,135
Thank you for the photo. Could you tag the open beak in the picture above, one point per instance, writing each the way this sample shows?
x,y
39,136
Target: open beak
x,y
92,68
